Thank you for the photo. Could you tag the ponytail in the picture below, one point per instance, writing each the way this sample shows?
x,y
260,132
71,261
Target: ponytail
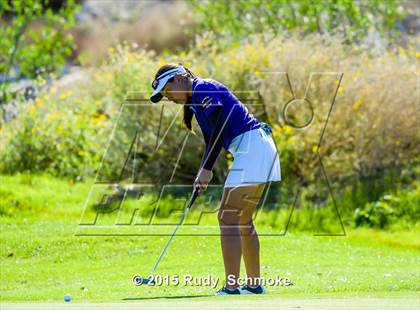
x,y
188,115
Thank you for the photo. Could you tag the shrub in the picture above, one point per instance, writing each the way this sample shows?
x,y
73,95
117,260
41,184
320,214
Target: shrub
x,y
377,214
352,19
66,129
402,206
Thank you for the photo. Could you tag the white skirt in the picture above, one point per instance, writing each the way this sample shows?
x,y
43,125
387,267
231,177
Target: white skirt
x,y
255,159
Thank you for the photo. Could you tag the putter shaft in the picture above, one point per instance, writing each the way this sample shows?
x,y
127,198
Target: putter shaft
x,y
187,209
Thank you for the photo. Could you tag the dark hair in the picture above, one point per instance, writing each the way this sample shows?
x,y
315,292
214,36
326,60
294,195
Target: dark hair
x,y
188,113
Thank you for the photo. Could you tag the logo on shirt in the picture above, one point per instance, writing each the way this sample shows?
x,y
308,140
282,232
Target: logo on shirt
x,y
207,101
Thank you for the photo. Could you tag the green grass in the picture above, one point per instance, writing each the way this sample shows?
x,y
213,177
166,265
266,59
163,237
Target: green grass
x,y
45,260
42,259
266,302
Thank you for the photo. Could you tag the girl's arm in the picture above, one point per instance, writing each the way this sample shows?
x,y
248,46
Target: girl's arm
x,y
207,140
215,143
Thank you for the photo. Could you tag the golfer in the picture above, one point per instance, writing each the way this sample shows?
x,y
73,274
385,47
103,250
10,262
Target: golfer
x,y
226,123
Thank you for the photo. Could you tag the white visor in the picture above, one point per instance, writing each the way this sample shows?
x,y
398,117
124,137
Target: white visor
x,y
160,82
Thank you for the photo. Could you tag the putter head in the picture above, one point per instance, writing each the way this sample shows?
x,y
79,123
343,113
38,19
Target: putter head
x,y
139,280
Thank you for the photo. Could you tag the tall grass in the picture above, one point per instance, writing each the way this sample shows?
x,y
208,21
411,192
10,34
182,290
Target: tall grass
x,y
25,196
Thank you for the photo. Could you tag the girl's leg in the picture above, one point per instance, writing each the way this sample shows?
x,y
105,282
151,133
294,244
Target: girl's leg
x,y
230,238
249,239
236,208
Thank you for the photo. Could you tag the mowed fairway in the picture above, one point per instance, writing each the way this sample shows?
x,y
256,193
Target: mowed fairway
x,y
41,260
242,302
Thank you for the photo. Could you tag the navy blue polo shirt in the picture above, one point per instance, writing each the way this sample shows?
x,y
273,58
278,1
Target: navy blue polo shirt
x,y
207,94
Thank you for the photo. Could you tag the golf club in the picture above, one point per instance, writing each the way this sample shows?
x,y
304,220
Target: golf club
x,y
138,280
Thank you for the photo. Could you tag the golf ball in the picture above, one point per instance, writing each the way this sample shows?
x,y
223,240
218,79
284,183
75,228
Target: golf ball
x,y
67,297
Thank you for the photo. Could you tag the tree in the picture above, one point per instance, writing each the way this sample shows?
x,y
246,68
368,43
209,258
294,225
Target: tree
x,y
351,18
33,39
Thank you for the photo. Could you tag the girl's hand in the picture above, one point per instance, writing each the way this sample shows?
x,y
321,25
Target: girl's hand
x,y
203,179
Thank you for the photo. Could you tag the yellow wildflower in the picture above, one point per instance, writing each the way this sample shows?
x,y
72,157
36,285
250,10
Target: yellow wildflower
x,y
277,128
162,62
357,104
401,51
60,129
109,76
287,129
38,102
52,116
99,118
292,141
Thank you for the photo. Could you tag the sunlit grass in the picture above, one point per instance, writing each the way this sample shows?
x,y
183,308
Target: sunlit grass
x,y
41,255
